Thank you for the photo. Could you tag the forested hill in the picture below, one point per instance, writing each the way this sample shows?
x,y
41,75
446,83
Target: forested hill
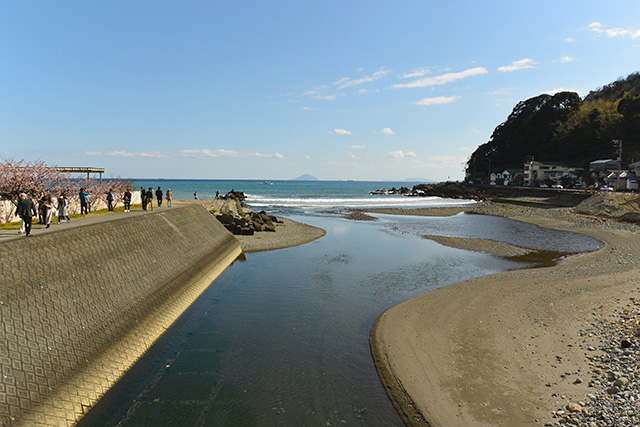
x,y
565,128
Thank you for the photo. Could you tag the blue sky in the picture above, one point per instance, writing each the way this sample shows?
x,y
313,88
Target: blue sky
x,y
364,90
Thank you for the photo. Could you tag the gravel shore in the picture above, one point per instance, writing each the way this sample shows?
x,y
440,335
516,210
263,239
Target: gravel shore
x,y
547,346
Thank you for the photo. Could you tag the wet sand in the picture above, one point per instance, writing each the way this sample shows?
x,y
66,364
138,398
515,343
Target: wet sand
x,y
506,349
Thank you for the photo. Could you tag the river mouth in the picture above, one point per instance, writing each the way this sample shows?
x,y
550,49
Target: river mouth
x,y
282,338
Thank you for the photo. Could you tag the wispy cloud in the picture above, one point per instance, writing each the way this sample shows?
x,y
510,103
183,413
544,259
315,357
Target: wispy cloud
x,y
598,28
420,72
566,59
399,155
443,78
326,97
437,100
340,132
310,109
204,153
388,131
569,39
155,154
518,65
357,147
347,82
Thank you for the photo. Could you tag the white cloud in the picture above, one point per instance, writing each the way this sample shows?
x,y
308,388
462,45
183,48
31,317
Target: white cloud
x,y
340,132
598,28
307,157
518,65
310,109
388,131
340,81
346,82
353,156
438,100
326,98
204,153
569,40
566,59
443,79
420,72
465,149
154,154
399,155
357,147
558,90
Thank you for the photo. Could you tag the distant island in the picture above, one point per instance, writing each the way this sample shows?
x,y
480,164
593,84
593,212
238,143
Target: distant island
x,y
305,177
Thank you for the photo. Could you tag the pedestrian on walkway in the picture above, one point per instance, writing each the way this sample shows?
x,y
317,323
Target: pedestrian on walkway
x,y
143,198
195,195
127,200
150,198
26,210
110,199
63,208
159,196
84,201
48,210
41,212
169,197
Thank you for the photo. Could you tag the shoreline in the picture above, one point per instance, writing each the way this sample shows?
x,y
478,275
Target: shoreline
x,y
507,349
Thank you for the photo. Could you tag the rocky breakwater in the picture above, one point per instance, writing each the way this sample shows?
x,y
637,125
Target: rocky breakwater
x,y
241,220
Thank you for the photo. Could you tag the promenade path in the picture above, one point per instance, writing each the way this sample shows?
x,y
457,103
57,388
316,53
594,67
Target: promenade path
x,y
91,219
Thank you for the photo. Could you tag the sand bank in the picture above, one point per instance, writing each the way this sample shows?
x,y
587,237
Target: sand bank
x,y
507,349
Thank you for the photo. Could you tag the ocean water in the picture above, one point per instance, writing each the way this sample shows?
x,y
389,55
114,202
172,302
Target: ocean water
x,y
296,197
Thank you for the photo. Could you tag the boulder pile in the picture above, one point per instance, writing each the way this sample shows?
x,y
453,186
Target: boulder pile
x,y
243,221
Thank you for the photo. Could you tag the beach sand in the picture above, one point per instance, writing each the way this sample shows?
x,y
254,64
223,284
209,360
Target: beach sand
x,y
506,349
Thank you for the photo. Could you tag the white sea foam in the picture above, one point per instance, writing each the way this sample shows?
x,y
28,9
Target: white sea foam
x,y
317,203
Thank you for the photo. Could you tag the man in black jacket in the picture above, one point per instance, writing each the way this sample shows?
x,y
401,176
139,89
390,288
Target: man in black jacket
x,y
26,210
159,196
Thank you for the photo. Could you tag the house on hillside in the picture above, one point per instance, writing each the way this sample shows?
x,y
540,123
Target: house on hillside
x,y
536,172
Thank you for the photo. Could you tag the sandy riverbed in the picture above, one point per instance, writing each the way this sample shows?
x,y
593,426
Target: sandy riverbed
x,y
506,349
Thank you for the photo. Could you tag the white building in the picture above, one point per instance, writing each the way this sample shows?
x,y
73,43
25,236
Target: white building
x,y
535,171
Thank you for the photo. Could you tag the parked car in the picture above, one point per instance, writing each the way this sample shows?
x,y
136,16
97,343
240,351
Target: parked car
x,y
606,188
557,186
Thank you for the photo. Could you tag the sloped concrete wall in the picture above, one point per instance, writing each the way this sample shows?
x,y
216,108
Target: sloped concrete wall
x,y
78,307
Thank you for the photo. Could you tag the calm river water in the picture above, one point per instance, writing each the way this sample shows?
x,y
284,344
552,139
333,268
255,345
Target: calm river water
x,y
282,337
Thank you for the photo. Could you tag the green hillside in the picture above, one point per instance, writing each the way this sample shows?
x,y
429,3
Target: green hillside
x,y
565,128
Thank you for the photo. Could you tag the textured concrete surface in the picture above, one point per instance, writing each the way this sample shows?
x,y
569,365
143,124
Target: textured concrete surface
x,y
79,306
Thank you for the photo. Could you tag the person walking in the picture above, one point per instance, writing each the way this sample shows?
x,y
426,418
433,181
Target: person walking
x,y
26,210
169,197
48,210
63,208
84,201
41,208
195,195
110,200
159,196
127,200
150,198
143,198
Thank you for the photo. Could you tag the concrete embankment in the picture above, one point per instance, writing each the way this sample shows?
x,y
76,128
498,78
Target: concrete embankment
x,y
78,307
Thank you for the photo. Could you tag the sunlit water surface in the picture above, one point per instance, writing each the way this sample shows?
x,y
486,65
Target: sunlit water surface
x,y
282,338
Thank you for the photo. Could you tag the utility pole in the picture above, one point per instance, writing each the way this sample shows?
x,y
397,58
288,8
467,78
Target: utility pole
x,y
618,143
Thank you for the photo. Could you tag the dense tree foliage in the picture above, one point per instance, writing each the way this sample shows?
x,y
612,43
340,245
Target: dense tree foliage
x,y
564,128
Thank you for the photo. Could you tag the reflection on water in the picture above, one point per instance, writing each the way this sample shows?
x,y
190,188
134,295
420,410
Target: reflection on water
x,y
281,338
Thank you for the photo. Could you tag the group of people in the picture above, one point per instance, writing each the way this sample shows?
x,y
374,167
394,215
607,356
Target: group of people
x,y
147,197
26,210
44,207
